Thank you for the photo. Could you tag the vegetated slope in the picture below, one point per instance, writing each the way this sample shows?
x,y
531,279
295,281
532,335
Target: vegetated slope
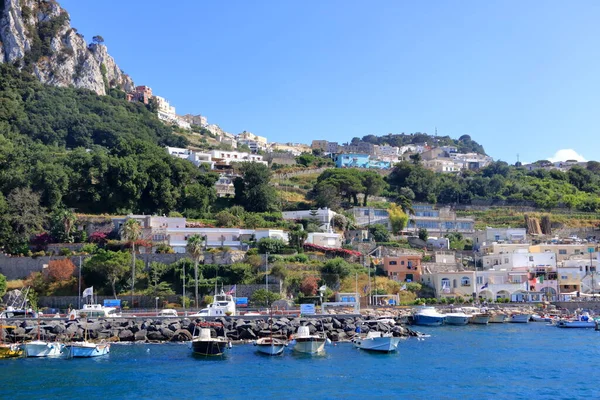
x,y
96,154
464,144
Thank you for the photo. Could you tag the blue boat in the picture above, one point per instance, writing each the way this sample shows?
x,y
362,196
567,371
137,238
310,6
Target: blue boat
x,y
428,316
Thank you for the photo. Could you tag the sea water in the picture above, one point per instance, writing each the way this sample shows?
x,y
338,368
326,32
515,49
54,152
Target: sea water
x,y
498,361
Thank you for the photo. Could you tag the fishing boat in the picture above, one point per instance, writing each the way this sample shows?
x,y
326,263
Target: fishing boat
x,y
540,318
206,345
477,316
86,349
270,346
456,318
42,348
377,341
8,350
519,318
95,311
222,305
307,343
428,316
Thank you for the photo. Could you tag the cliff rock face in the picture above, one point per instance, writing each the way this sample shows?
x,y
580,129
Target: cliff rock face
x,y
37,36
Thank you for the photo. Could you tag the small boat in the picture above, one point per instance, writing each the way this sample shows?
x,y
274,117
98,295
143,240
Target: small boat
x,y
270,346
582,321
86,349
41,348
206,345
428,316
456,318
497,318
377,341
94,311
222,305
540,318
519,318
307,343
8,350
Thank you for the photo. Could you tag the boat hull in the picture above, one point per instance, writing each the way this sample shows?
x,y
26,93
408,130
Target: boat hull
x,y
309,345
43,349
209,347
87,350
270,347
10,351
479,319
427,320
456,320
520,318
576,324
497,319
379,344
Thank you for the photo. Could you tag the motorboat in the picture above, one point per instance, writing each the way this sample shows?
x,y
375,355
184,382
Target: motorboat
x,y
456,318
519,318
477,316
428,316
206,345
86,349
167,312
95,311
540,318
497,318
222,305
582,321
377,341
42,348
270,346
304,342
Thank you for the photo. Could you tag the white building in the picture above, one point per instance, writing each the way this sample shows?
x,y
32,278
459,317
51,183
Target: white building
x,y
518,259
499,235
325,239
223,157
233,238
323,216
387,151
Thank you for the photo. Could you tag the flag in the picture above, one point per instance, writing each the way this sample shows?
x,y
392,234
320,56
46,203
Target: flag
x,y
232,290
484,286
323,288
403,287
88,292
445,285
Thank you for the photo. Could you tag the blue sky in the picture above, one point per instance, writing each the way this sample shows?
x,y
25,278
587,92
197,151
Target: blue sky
x,y
519,77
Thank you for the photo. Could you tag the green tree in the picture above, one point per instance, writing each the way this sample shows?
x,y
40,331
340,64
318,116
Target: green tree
x,y
2,285
131,231
253,190
63,225
156,271
423,234
279,271
270,245
373,184
112,265
379,233
297,236
27,217
263,297
334,271
195,246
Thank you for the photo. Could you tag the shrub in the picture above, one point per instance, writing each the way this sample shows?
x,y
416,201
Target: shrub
x,y
164,248
40,253
65,252
89,248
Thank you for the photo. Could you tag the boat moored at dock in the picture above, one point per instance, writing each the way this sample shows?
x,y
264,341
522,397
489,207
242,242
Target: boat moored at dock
x,y
304,342
377,341
86,349
206,345
428,316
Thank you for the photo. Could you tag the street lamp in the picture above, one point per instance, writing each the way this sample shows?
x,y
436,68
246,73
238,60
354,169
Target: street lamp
x,y
156,305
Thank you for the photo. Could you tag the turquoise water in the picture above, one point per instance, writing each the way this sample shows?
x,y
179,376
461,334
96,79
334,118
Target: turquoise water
x,y
508,361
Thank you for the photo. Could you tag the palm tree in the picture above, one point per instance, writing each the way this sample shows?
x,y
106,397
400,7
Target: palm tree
x,y
131,231
196,249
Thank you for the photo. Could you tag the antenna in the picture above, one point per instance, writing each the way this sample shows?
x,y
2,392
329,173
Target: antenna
x,y
436,131
517,157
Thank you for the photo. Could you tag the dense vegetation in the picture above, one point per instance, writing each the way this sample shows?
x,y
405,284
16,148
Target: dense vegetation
x,y
70,148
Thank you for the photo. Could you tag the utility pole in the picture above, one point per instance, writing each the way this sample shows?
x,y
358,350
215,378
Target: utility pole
x,y
79,284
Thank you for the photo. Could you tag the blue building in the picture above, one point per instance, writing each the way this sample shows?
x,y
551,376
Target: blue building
x,y
355,160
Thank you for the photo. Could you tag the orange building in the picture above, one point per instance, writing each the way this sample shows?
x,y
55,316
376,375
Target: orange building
x,y
403,268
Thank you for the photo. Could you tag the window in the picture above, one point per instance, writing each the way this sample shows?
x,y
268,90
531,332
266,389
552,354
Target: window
x,y
393,263
530,258
410,265
562,252
480,280
454,283
465,281
505,260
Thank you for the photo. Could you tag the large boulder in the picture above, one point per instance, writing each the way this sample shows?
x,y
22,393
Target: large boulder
x,y
181,335
167,333
140,335
126,335
157,336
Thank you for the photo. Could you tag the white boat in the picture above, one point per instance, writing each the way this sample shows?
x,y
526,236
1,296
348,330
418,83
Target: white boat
x,y
377,341
456,318
540,318
497,318
222,305
519,318
95,311
582,321
270,346
41,348
428,316
477,316
307,343
167,312
86,349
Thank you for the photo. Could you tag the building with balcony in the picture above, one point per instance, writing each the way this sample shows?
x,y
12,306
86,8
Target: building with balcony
x,y
403,268
499,235
325,239
321,216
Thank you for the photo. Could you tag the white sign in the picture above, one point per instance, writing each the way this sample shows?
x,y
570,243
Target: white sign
x,y
307,309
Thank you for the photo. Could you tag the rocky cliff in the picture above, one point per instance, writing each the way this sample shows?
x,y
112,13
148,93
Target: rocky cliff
x,y
37,36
